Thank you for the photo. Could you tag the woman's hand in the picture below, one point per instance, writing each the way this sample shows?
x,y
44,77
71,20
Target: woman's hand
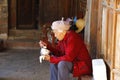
x,y
47,57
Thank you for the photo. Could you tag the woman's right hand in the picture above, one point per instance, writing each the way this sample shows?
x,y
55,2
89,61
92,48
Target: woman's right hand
x,y
42,44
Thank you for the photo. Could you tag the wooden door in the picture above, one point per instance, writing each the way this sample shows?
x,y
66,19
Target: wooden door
x,y
27,14
51,10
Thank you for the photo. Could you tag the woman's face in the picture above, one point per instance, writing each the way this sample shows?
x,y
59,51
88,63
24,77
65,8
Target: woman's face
x,y
59,34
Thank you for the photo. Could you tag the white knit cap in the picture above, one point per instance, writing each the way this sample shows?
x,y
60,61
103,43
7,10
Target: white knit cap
x,y
60,25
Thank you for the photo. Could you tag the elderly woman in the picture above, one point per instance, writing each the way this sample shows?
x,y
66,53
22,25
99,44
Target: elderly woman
x,y
70,55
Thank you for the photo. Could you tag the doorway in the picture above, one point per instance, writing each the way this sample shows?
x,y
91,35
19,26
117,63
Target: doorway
x,y
23,14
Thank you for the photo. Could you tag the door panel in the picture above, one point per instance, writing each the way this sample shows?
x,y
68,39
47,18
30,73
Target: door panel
x,y
26,14
53,10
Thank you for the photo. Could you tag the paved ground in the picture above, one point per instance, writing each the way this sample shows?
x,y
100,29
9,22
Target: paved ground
x,y
22,65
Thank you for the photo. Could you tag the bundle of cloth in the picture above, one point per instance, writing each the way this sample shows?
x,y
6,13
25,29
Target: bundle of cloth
x,y
43,51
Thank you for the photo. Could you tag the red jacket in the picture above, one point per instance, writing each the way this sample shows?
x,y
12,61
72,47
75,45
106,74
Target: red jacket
x,y
73,49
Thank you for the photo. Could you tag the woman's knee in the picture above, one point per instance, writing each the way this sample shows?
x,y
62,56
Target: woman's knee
x,y
64,64
61,64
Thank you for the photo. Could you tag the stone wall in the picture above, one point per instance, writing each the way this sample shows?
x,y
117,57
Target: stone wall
x,y
3,19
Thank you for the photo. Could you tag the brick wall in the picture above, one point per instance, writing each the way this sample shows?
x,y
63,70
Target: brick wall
x,y
3,19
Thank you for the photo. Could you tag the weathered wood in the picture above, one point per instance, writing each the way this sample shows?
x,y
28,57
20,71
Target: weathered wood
x,y
91,27
12,13
110,36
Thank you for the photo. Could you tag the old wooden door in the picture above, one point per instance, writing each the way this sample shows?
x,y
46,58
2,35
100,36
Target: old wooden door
x,y
53,10
27,14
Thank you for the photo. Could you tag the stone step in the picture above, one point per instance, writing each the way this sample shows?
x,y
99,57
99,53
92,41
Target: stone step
x,y
22,44
24,38
25,34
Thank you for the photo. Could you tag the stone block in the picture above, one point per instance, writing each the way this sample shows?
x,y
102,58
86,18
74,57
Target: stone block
x,y
99,69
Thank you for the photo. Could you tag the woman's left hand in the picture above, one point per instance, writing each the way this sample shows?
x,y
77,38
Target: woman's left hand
x,y
47,57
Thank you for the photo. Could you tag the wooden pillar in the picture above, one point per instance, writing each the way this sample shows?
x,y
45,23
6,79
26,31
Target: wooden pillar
x,y
88,23
99,27
91,26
